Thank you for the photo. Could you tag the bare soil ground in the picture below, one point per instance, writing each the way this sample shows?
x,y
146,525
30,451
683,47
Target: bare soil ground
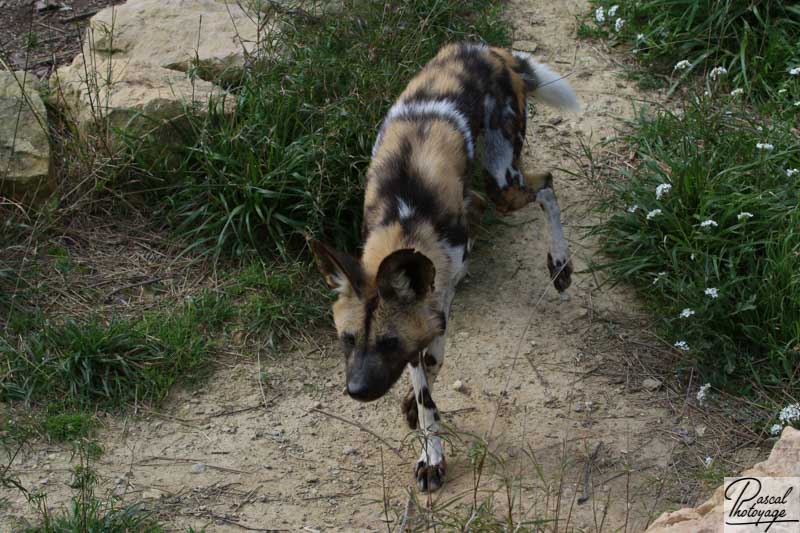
x,y
41,36
545,381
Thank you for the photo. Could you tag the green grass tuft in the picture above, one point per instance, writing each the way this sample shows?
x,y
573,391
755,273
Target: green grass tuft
x,y
62,427
277,301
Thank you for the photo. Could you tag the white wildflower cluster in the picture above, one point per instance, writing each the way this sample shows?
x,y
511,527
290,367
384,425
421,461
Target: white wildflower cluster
x,y
737,92
662,189
790,414
744,215
686,313
600,17
640,37
766,147
708,223
684,347
600,14
716,72
683,64
712,291
654,213
702,394
633,208
708,461
792,171
794,71
797,104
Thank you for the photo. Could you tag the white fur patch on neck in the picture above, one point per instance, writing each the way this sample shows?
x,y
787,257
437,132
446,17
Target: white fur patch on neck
x,y
440,108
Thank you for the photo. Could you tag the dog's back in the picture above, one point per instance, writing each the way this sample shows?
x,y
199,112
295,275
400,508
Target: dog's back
x,y
422,158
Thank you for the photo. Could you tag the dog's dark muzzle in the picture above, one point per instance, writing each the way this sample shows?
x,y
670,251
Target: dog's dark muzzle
x,y
369,377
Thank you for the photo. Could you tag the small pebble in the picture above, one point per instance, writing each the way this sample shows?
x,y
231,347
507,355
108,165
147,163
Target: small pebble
x,y
651,384
198,468
458,385
349,450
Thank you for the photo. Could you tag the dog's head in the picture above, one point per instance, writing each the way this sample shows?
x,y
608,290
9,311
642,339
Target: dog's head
x,y
383,319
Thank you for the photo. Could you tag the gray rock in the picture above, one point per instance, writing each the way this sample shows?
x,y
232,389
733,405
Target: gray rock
x,y
198,468
651,384
25,169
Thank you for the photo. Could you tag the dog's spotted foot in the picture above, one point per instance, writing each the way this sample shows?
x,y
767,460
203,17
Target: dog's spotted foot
x,y
409,409
560,272
429,477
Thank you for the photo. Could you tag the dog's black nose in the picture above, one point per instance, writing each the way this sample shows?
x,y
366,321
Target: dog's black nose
x,y
358,391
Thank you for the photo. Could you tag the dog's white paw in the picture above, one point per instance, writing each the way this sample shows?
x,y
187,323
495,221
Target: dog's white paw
x,y
430,477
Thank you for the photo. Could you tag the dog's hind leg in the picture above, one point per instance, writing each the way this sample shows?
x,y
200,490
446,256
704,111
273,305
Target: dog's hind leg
x,y
510,188
558,261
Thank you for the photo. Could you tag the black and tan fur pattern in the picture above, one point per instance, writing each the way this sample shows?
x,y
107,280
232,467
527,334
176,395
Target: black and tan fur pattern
x,y
394,301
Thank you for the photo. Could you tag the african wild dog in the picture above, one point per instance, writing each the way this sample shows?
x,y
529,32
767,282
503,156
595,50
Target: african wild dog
x,y
394,302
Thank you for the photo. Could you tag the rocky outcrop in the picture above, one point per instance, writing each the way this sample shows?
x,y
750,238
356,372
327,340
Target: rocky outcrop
x,y
784,461
148,62
24,142
131,95
210,37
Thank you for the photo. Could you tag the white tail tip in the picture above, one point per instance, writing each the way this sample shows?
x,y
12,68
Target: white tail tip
x,y
548,86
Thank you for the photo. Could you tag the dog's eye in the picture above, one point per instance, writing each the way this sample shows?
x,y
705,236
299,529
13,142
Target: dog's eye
x,y
348,341
387,344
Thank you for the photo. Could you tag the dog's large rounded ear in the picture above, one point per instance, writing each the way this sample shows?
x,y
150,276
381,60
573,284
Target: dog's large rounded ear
x,y
342,272
405,275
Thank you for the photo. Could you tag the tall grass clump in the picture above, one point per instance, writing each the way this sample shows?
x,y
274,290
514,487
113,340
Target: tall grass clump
x,y
89,363
291,159
707,226
756,41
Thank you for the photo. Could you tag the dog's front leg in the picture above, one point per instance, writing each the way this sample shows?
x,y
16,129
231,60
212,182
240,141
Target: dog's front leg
x,y
430,467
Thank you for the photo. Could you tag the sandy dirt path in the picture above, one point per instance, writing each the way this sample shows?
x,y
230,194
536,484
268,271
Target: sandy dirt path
x,y
544,381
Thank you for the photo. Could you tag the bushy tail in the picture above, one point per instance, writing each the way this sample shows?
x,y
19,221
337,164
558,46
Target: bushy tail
x,y
545,84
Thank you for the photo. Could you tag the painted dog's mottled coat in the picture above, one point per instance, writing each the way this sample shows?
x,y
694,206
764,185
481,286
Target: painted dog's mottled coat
x,y
394,302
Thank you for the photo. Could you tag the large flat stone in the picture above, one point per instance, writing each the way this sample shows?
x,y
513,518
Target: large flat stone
x,y
211,37
120,94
